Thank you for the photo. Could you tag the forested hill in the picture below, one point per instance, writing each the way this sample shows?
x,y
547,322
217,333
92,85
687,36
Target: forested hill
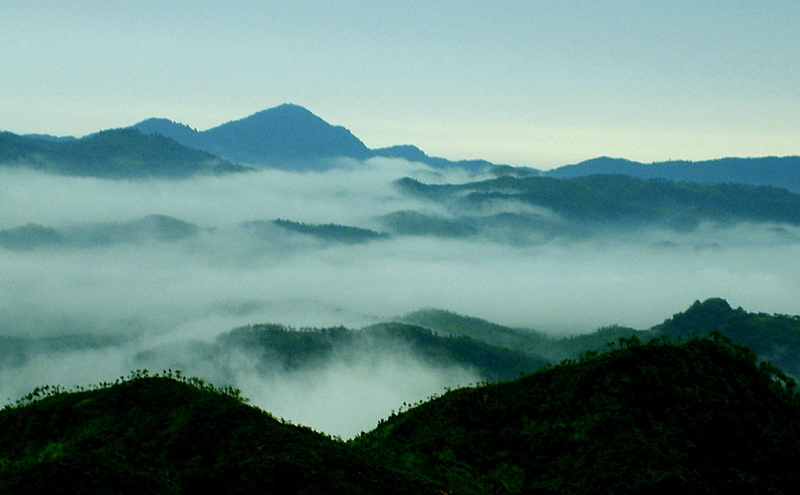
x,y
113,154
773,337
699,416
609,200
696,417
171,435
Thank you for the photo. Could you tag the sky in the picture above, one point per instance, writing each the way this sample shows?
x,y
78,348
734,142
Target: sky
x,y
534,83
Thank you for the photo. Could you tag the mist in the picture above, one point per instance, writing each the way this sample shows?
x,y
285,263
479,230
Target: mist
x,y
150,302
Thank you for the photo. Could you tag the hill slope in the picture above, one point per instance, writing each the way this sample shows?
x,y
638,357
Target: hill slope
x,y
113,154
160,435
698,417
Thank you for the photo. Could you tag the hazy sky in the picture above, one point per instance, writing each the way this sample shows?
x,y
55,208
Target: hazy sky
x,y
538,83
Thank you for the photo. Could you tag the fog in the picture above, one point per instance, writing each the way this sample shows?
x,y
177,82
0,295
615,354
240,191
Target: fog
x,y
178,296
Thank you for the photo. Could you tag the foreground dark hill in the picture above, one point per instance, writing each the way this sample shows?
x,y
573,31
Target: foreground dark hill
x,y
112,154
762,171
696,417
699,416
160,435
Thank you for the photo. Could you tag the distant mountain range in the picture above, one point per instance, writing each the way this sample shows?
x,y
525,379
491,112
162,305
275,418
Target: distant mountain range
x,y
765,171
281,136
291,137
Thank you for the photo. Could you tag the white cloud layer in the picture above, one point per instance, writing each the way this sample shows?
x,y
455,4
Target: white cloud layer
x,y
152,295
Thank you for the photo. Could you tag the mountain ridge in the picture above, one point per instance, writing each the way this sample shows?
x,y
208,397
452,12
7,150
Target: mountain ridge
x,y
762,171
287,134
112,154
290,136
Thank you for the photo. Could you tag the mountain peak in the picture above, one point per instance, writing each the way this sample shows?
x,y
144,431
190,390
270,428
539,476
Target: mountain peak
x,y
283,133
701,318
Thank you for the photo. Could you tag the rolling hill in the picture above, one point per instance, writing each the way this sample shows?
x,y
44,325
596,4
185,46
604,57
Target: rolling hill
x,y
170,435
545,207
112,154
695,417
698,416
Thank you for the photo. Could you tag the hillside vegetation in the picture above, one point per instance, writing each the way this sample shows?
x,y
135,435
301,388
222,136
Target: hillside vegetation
x,y
699,416
112,154
695,417
169,435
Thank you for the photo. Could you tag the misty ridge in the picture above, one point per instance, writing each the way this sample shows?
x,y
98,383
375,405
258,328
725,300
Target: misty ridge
x,y
103,273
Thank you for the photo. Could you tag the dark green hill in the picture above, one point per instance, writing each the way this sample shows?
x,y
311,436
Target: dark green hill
x,y
292,349
695,417
168,436
495,352
493,362
773,337
448,323
113,154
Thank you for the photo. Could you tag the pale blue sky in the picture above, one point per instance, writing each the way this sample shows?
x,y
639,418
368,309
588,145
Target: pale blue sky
x,y
538,83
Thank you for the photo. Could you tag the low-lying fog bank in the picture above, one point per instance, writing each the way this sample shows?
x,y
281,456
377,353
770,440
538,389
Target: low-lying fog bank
x,y
143,293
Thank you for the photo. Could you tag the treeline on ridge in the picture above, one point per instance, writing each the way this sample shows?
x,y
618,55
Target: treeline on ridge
x,y
700,415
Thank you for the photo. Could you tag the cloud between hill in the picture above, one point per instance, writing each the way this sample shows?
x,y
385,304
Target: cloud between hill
x,y
149,293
